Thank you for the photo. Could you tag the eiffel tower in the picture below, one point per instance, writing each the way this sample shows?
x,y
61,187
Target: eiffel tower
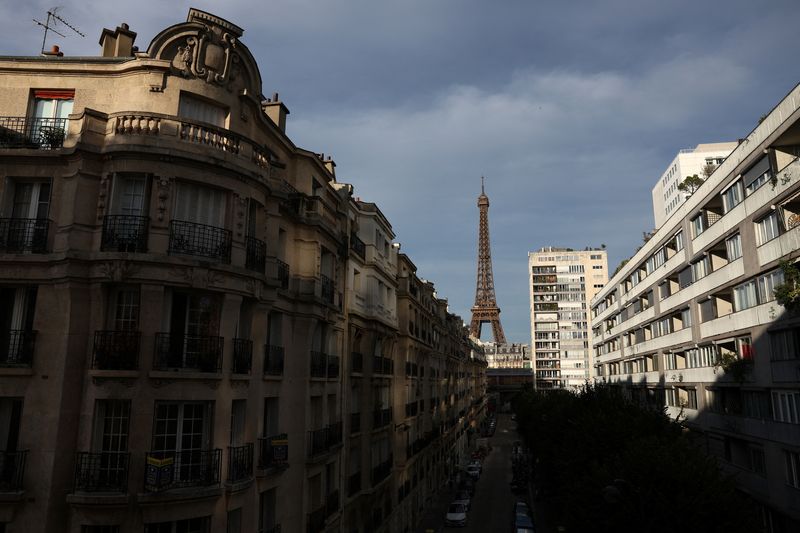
x,y
485,308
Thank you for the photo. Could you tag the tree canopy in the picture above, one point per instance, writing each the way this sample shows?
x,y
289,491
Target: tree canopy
x,y
604,463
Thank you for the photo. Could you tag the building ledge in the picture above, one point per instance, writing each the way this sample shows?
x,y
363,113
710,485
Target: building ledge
x,y
171,375
238,486
114,374
178,495
272,470
12,497
81,499
16,371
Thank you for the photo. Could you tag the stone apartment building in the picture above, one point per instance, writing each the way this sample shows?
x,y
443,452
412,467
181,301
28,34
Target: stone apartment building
x,y
200,329
691,324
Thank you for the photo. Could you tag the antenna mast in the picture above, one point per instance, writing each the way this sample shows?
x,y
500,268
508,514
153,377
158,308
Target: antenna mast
x,y
52,20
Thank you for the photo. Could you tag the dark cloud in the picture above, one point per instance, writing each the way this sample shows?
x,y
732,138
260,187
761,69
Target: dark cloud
x,y
571,109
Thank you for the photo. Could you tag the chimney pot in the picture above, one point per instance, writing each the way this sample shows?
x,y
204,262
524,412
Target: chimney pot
x,y
55,49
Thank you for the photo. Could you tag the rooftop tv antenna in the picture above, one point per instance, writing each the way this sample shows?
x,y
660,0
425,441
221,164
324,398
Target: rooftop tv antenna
x,y
52,20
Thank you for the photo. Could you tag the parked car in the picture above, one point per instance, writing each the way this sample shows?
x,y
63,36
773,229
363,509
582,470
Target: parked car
x,y
523,523
521,508
476,463
467,484
473,471
456,515
463,497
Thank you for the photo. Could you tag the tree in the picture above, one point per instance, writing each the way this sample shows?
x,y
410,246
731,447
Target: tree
x,y
690,184
708,169
788,293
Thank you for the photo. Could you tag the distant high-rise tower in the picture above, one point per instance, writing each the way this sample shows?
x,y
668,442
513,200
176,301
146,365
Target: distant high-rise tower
x,y
485,308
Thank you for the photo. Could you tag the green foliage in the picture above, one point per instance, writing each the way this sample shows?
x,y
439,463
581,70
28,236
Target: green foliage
x,y
624,467
691,183
732,364
620,265
788,293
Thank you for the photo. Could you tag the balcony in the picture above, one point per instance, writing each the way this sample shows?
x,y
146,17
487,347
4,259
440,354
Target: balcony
x,y
242,356
411,409
283,274
102,472
255,254
190,238
19,235
191,468
240,462
332,504
318,364
358,246
273,451
116,350
354,484
273,360
12,470
356,362
188,352
32,132
322,440
326,289
355,423
381,418
16,347
381,471
333,366
124,233
316,520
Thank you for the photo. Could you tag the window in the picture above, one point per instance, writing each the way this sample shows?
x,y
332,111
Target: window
x,y
17,308
678,241
767,284
123,309
757,176
792,468
266,510
697,225
686,318
734,247
732,197
199,204
27,199
235,520
112,419
181,427
785,344
755,404
767,228
51,109
129,194
201,110
745,296
786,406
700,269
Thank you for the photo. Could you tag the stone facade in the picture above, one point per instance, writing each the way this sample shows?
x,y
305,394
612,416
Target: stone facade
x,y
178,319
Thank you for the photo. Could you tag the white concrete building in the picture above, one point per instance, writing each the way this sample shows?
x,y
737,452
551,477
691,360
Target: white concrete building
x,y
691,323
689,161
562,282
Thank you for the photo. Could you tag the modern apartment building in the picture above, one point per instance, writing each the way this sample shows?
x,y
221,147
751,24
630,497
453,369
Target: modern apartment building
x,y
689,161
691,322
562,282
200,327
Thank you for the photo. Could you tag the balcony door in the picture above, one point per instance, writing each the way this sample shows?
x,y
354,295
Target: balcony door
x,y
11,461
51,109
182,430
200,205
194,326
17,307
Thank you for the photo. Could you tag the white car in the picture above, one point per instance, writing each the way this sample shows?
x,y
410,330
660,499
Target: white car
x,y
456,515
463,498
473,471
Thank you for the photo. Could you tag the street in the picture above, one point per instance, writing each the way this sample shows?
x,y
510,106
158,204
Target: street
x,y
493,502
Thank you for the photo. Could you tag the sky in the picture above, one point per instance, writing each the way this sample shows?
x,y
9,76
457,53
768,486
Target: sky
x,y
572,110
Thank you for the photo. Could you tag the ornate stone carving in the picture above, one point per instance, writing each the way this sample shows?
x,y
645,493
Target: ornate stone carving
x,y
186,274
163,194
102,194
255,287
210,55
118,271
240,208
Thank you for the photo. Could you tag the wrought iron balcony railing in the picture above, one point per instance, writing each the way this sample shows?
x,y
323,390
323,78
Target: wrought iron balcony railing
x,y
255,254
316,520
102,472
190,468
358,246
12,470
381,471
188,352
242,356
333,366
273,450
283,273
116,350
16,347
382,365
317,441
32,132
356,362
318,364
124,233
273,360
18,235
240,462
190,238
326,288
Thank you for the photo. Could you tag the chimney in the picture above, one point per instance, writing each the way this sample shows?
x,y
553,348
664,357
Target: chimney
x,y
54,52
331,166
276,111
117,43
